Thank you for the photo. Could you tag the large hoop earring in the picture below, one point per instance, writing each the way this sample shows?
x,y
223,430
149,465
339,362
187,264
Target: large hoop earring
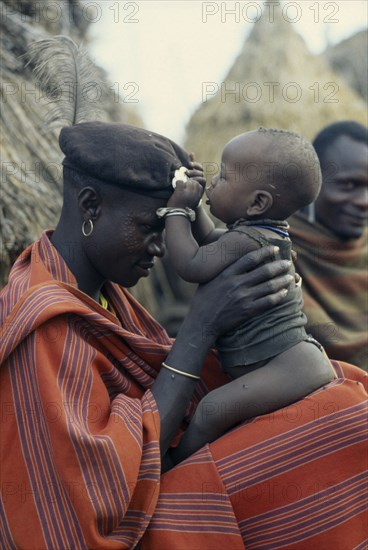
x,y
90,228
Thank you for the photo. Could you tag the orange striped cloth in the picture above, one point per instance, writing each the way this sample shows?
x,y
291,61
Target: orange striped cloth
x,y
335,289
80,464
294,479
80,459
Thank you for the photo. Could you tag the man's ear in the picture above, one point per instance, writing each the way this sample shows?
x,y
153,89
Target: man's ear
x,y
89,202
259,202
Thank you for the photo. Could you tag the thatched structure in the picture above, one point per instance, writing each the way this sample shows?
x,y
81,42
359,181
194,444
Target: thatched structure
x,y
31,187
30,192
30,156
349,58
274,82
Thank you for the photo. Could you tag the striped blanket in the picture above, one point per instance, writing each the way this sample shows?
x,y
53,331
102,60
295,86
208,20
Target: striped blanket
x,y
335,289
79,434
294,479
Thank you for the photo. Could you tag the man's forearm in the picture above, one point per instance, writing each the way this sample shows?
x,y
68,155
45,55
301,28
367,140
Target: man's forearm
x,y
173,391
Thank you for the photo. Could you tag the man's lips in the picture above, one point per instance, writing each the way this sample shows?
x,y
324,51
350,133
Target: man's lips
x,y
356,219
146,264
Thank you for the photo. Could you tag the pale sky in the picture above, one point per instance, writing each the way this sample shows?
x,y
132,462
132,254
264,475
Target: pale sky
x,y
158,53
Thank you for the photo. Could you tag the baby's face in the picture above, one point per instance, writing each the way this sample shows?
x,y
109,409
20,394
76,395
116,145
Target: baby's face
x,y
228,194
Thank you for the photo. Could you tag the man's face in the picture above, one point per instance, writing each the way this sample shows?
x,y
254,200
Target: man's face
x,y
342,205
126,239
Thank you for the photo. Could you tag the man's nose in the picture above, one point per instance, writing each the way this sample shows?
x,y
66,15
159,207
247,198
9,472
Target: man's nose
x,y
361,198
156,246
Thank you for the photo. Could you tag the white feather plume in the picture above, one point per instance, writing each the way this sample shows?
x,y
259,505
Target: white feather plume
x,y
69,80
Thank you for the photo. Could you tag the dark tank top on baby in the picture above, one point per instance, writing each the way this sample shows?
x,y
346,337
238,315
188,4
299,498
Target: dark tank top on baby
x,y
277,329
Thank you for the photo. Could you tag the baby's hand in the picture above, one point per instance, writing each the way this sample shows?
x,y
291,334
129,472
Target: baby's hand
x,y
196,171
186,193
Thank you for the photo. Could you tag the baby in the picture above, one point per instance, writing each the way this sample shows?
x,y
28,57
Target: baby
x,y
266,175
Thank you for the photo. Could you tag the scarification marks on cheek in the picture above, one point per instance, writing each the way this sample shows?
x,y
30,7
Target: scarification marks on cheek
x,y
130,235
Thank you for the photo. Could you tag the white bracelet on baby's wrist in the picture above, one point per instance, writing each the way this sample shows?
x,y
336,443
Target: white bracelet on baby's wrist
x,y
176,211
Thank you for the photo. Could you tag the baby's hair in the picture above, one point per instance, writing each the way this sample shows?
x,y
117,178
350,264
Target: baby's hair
x,y
295,180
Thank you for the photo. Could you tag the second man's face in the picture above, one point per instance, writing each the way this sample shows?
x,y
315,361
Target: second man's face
x,y
342,205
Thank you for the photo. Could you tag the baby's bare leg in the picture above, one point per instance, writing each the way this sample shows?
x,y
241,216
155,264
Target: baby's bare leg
x,y
285,379
300,370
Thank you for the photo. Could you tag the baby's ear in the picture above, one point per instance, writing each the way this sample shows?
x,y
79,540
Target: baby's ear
x,y
260,202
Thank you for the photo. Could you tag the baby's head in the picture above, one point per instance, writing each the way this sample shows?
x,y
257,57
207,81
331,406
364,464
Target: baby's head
x,y
265,173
